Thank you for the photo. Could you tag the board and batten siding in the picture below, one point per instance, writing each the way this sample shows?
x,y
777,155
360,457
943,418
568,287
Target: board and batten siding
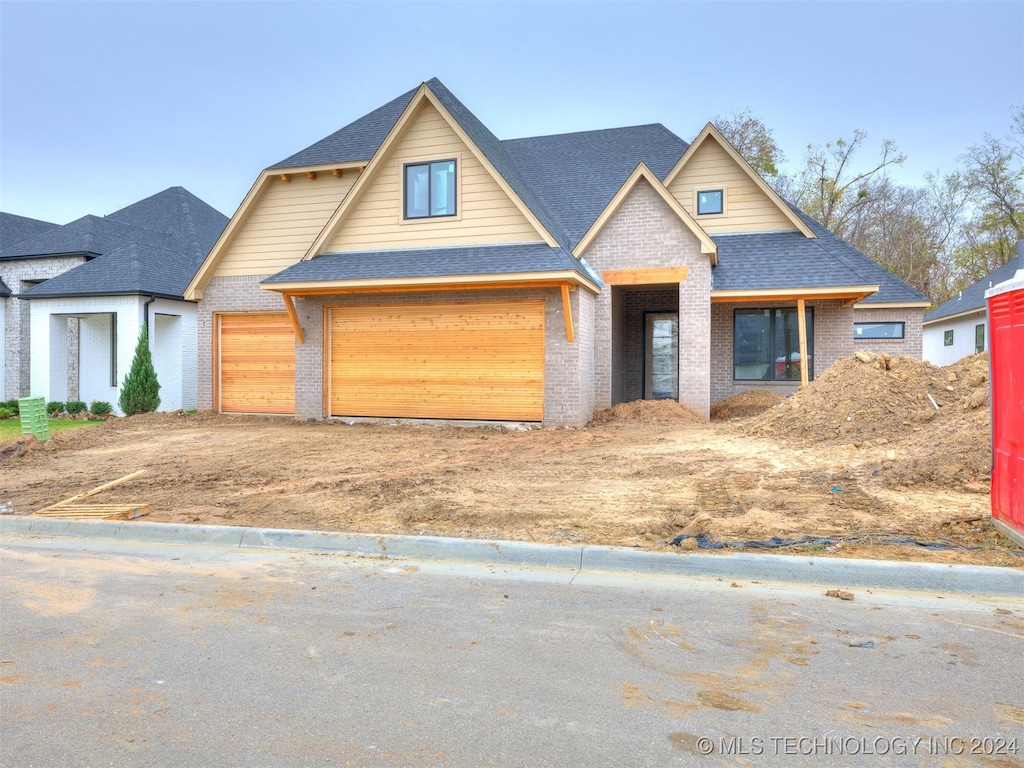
x,y
485,213
284,222
747,207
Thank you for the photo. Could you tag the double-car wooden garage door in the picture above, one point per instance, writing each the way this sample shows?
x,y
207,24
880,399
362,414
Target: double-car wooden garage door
x,y
473,360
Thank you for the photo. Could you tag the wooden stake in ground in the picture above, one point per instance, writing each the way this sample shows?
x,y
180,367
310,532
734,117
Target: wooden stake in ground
x,y
94,491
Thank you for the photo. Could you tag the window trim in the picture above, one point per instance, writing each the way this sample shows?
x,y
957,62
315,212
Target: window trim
x,y
771,335
403,213
696,201
902,324
947,338
979,330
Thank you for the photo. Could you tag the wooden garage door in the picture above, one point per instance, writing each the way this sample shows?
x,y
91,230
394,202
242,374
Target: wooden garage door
x,y
257,364
439,361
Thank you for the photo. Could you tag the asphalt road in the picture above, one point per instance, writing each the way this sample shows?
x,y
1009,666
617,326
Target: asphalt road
x,y
167,655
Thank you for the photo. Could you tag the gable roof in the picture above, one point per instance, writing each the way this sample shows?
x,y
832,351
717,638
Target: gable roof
x,y
132,268
972,298
578,174
711,133
14,229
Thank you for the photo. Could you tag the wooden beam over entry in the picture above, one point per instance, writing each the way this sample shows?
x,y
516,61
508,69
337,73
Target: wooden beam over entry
x,y
655,276
801,325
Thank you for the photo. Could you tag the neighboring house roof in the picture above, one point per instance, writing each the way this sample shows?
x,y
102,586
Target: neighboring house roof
x,y
132,268
14,229
4,290
577,174
505,259
972,298
153,246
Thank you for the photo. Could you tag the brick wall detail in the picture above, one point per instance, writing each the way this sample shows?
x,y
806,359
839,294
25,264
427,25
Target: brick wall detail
x,y
913,334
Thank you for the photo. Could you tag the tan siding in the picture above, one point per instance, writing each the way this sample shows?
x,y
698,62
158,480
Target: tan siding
x,y
747,208
486,213
284,223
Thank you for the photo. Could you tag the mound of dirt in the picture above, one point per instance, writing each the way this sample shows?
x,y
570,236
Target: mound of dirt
x,y
754,402
648,412
936,420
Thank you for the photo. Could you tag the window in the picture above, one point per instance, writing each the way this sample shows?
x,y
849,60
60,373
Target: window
x,y
766,345
947,338
878,330
430,189
113,349
979,338
709,201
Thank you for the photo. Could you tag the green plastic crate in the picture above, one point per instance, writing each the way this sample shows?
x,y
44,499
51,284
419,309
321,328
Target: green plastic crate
x,y
33,417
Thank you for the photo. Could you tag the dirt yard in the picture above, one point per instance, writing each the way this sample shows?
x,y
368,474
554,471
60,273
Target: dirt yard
x,y
639,475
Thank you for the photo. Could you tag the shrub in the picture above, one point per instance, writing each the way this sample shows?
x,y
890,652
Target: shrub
x,y
140,392
74,407
100,408
55,408
12,406
5,413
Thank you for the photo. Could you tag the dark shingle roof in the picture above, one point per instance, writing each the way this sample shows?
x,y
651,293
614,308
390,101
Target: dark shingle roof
x,y
577,174
90,235
14,229
778,260
358,140
4,290
973,297
190,224
433,262
132,268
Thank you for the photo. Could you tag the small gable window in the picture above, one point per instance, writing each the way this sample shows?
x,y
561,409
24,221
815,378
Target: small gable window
x,y
709,201
430,189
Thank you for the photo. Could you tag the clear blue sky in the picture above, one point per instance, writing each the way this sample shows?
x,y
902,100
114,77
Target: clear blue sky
x,y
102,103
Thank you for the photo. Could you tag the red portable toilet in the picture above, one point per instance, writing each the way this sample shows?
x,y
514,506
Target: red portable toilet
x,y
1006,368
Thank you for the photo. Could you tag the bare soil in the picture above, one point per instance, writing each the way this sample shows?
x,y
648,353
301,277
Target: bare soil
x,y
639,475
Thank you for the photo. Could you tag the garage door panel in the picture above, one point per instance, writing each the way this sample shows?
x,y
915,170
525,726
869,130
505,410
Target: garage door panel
x,y
455,361
257,364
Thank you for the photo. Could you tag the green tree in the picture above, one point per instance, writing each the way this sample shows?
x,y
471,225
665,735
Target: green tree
x,y
753,140
140,390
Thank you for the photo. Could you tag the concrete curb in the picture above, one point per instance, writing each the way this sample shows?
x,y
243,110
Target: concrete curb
x,y
931,577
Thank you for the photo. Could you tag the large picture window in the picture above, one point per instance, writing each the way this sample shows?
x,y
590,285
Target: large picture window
x,y
430,189
766,345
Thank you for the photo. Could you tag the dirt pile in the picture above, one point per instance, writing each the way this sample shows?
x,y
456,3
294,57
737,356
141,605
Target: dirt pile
x,y
936,421
648,412
751,403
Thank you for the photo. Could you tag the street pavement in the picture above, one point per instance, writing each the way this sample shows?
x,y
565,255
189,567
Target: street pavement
x,y
150,654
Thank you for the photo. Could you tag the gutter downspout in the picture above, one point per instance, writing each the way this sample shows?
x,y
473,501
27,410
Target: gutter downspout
x,y
145,316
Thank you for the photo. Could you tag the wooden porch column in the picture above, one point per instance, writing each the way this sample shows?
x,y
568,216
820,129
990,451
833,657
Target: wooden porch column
x,y
802,332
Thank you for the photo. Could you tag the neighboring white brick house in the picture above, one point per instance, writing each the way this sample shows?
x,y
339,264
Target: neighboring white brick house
x,y
73,320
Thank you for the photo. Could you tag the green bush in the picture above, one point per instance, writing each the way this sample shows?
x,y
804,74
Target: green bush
x,y
12,406
5,413
55,408
100,408
140,392
75,407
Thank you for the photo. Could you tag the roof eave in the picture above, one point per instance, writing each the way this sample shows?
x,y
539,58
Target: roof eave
x,y
524,279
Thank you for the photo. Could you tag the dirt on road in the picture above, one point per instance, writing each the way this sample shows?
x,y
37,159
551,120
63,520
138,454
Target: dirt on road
x,y
639,475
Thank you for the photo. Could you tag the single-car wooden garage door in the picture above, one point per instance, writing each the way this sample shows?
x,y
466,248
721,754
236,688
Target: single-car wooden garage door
x,y
256,370
478,360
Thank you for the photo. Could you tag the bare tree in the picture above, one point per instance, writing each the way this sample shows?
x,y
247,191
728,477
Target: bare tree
x,y
752,139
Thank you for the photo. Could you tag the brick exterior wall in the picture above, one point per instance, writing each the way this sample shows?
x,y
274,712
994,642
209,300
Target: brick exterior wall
x,y
568,395
913,334
833,339
20,275
645,233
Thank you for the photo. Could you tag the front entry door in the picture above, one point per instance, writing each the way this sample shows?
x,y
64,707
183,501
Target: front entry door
x,y
661,356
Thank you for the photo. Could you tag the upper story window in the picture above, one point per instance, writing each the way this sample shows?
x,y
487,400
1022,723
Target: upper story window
x,y
430,189
710,201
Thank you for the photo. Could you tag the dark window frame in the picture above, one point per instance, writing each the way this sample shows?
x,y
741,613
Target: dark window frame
x,y
947,338
772,352
900,337
405,189
721,202
979,338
